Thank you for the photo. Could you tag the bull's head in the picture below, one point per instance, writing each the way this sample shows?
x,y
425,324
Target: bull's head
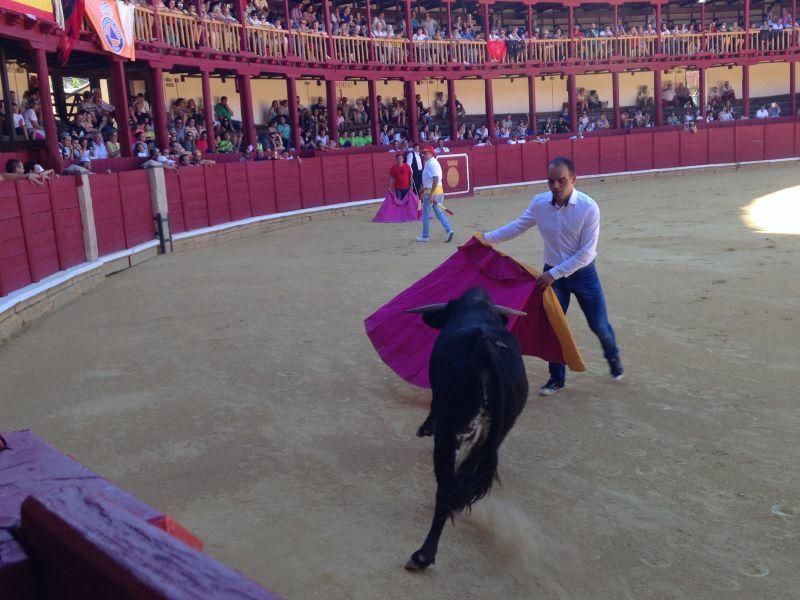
x,y
436,315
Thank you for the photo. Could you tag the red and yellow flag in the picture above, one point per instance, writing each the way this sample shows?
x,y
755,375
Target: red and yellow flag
x,y
114,31
41,9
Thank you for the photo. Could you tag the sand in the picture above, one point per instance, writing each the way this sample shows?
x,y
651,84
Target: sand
x,y
233,387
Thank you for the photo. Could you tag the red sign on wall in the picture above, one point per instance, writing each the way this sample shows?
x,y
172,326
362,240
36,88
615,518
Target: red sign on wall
x,y
455,174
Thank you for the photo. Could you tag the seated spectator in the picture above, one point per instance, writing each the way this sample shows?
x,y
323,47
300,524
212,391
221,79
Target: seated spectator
x,y
224,144
714,98
683,96
97,147
440,106
202,142
602,122
762,113
643,98
673,119
774,110
157,160
140,150
113,149
582,100
594,100
16,170
440,147
35,131
562,126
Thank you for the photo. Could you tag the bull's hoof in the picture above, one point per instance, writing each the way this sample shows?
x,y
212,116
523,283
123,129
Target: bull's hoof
x,y
418,562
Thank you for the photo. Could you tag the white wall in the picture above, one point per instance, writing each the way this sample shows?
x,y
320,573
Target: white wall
x,y
472,95
717,76
550,93
630,83
769,79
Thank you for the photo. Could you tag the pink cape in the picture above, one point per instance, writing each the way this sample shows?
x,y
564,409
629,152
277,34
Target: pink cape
x,y
394,210
405,343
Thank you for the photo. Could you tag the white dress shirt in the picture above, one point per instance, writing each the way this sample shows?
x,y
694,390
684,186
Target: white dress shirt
x,y
432,169
570,232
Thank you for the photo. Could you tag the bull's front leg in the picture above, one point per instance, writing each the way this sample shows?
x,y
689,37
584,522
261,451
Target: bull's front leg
x,y
426,555
427,427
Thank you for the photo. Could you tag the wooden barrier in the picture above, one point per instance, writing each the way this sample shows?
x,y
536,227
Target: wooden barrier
x,y
108,217
14,270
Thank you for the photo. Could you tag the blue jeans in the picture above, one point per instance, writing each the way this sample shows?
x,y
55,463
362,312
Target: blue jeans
x,y
426,214
585,284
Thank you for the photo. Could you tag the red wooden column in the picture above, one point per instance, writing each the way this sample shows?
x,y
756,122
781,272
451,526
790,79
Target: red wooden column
x,y
370,43
157,22
530,19
333,105
241,8
294,118
702,93
248,120
451,106
489,108
658,26
615,99
793,40
48,117
409,33
292,49
746,90
120,101
616,19
159,106
658,97
703,40
793,88
449,17
326,14
572,95
570,35
486,23
208,106
747,24
411,111
374,127
532,102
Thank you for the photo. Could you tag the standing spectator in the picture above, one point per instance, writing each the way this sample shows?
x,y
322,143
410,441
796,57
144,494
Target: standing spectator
x,y
433,196
569,223
400,176
414,160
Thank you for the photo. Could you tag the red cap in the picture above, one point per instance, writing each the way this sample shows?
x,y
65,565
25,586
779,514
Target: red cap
x,y
428,149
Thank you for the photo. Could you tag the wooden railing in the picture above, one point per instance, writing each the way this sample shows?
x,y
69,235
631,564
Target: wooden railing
x,y
771,40
547,50
222,35
267,41
182,31
351,49
143,24
469,52
179,30
391,52
310,46
432,52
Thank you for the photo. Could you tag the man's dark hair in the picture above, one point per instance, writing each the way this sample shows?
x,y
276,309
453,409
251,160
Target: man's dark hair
x,y
11,165
563,161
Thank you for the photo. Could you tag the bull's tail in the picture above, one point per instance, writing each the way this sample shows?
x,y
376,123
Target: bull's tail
x,y
475,456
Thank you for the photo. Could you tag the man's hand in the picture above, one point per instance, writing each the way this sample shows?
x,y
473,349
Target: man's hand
x,y
544,281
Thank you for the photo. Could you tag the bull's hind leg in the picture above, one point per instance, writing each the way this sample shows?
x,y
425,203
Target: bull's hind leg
x,y
426,555
426,429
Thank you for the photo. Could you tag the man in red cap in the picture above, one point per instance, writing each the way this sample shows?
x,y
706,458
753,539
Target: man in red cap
x,y
432,195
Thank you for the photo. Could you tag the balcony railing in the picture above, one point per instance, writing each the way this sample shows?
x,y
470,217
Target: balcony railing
x,y
183,31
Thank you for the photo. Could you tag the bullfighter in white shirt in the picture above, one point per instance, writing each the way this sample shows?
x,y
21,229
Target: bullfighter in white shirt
x,y
569,223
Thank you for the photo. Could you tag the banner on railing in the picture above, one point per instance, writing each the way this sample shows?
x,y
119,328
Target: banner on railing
x,y
455,173
115,29
41,9
496,49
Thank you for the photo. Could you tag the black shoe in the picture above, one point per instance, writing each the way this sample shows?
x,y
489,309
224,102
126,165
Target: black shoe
x,y
615,364
551,387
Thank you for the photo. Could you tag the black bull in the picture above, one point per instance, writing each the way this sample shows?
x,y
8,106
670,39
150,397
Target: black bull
x,y
479,389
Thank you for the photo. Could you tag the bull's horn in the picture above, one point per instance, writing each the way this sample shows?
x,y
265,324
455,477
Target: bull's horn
x,y
428,308
504,310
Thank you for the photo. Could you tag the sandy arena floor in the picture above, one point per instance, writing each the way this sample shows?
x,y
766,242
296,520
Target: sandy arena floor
x,y
234,388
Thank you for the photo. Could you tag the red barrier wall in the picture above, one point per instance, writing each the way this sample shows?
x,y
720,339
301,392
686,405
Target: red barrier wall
x,y
14,270
108,218
177,223
261,184
238,190
362,183
586,154
749,143
219,210
67,221
312,190
40,234
287,185
336,179
508,159
721,145
193,195
612,154
137,207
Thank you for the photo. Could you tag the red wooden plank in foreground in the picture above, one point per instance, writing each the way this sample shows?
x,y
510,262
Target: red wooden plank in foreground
x,y
86,547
